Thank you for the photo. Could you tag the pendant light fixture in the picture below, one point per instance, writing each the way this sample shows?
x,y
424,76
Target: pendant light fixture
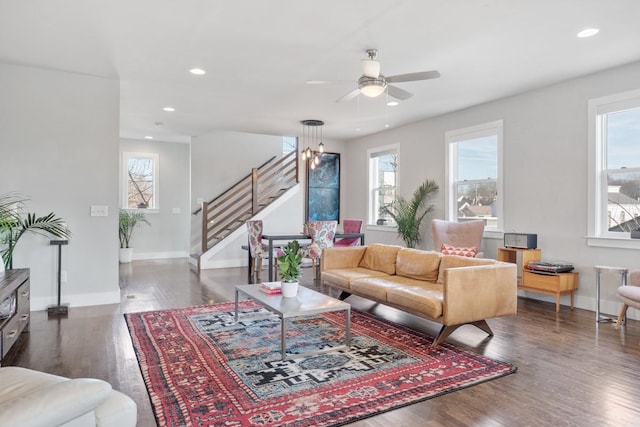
x,y
312,145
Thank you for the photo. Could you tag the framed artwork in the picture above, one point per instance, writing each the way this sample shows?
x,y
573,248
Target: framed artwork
x,y
323,189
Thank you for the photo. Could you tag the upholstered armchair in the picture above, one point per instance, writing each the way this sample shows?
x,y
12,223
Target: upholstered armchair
x,y
629,296
31,398
350,226
458,238
322,234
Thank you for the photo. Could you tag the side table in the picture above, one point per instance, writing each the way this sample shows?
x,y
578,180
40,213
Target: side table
x,y
623,281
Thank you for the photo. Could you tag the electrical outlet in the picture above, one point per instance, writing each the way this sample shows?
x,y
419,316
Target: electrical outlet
x,y
99,210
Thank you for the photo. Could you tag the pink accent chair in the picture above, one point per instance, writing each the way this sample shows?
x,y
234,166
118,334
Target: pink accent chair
x,y
350,226
322,234
629,296
459,234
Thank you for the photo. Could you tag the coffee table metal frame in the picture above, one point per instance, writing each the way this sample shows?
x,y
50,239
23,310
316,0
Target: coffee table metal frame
x,y
307,303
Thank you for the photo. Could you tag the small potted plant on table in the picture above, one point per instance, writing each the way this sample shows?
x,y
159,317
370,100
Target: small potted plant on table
x,y
289,267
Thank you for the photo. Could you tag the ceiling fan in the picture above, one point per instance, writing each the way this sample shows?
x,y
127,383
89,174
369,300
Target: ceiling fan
x,y
372,83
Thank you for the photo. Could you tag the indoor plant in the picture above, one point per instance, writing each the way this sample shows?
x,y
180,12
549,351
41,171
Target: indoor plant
x,y
289,267
128,220
408,214
13,225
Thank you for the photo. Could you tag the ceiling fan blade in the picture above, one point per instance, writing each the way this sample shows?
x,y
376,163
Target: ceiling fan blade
x,y
411,77
398,93
349,96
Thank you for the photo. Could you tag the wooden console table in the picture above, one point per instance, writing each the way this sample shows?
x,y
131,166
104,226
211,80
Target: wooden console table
x,y
556,284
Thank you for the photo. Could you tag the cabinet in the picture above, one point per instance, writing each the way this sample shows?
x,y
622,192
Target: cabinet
x,y
14,284
556,284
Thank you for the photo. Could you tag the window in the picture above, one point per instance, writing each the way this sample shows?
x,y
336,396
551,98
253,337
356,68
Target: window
x,y
139,181
383,182
289,144
474,175
614,190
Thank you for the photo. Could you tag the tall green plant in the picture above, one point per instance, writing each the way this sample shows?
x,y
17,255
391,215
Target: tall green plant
x,y
127,223
408,214
14,224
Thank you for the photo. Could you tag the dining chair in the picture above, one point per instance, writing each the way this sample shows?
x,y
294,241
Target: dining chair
x,y
322,234
350,226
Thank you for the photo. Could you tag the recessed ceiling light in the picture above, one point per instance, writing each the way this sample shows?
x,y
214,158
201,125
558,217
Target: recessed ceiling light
x,y
387,125
393,103
197,71
148,137
316,82
170,109
588,32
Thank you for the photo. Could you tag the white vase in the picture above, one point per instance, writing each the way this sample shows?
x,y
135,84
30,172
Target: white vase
x,y
289,289
126,255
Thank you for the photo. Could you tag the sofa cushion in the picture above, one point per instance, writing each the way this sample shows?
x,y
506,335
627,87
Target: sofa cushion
x,y
452,250
426,298
374,287
342,277
380,258
455,261
417,264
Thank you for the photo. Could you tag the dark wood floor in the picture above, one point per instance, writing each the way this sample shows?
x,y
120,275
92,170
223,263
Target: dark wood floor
x,y
571,371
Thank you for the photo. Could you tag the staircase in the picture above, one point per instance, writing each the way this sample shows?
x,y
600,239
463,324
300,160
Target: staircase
x,y
229,211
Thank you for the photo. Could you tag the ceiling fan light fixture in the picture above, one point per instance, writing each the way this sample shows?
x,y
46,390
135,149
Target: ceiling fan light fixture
x,y
372,87
370,68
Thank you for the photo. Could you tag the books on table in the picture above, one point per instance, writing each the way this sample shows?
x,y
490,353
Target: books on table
x,y
271,288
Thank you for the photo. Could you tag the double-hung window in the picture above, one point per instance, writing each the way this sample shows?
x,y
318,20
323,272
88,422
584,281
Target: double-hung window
x,y
383,182
614,168
139,181
474,174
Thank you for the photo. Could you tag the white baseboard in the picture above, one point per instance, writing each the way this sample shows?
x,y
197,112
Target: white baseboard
x,y
160,255
77,300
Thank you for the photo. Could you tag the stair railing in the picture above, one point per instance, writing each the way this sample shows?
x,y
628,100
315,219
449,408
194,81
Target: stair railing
x,y
252,193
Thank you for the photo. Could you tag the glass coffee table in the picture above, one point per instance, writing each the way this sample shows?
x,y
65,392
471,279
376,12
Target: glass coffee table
x,y
307,303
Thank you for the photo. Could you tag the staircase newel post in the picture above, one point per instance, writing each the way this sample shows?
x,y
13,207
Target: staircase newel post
x,y
254,191
205,231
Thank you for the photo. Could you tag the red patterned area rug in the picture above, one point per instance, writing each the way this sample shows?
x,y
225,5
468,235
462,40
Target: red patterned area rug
x,y
203,369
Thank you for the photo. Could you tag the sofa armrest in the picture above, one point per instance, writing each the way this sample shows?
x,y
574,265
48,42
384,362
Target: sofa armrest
x,y
54,404
479,292
342,257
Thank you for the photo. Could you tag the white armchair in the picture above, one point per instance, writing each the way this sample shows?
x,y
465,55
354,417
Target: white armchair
x,y
36,399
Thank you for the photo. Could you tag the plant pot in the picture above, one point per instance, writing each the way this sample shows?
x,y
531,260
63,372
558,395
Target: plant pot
x,y
289,289
126,255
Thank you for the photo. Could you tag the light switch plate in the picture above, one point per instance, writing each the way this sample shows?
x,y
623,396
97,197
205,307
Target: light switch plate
x,y
99,210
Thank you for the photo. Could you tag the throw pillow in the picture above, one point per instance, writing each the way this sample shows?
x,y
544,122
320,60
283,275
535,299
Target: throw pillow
x,y
452,250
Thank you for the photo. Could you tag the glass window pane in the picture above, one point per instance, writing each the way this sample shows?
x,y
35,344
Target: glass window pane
x,y
623,206
478,158
623,131
477,201
140,183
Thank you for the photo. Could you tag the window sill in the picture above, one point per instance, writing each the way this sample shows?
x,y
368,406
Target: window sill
x,y
613,242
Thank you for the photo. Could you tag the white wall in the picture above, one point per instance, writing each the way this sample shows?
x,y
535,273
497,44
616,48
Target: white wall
x,y
168,234
59,146
545,172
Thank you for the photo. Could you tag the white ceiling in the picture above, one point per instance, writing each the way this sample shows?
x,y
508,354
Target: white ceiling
x,y
258,54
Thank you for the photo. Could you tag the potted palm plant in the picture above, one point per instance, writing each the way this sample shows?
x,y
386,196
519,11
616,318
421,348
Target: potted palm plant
x,y
14,224
127,222
289,268
408,214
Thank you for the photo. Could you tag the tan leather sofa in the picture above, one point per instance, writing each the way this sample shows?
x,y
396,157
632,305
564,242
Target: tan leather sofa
x,y
448,289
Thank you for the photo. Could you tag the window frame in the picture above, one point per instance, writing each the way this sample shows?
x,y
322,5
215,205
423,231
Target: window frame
x,y
372,183
124,180
597,188
452,137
